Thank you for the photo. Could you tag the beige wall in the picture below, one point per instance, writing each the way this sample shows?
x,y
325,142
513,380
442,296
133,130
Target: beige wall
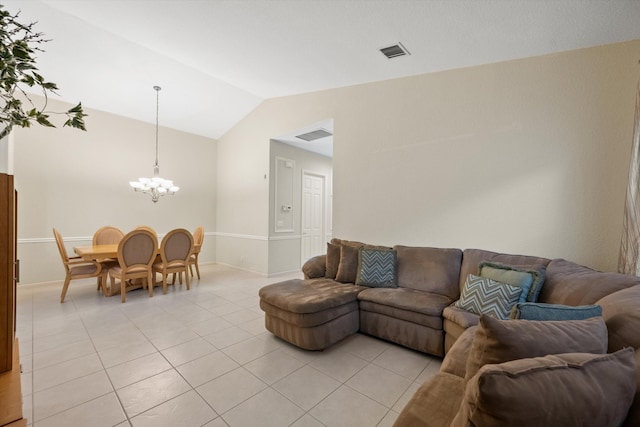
x,y
78,181
6,155
243,177
527,156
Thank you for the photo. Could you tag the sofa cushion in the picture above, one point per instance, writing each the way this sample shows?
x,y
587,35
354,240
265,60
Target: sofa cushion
x,y
472,258
332,261
407,299
556,390
499,341
529,279
308,320
377,268
433,270
453,332
573,284
460,316
633,417
485,296
539,311
419,307
309,296
456,322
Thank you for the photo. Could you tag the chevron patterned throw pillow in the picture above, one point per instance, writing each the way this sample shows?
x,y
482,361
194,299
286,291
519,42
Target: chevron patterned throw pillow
x,y
481,295
377,268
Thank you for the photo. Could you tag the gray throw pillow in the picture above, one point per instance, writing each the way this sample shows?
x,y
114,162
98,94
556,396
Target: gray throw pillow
x,y
332,261
529,278
508,274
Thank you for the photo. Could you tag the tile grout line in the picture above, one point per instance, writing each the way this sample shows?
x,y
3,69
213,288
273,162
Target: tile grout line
x,y
88,314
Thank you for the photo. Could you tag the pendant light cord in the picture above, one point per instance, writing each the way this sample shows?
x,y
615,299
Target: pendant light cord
x,y
157,89
155,186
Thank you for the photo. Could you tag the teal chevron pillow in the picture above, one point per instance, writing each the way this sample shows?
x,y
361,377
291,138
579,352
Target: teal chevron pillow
x,y
377,268
482,295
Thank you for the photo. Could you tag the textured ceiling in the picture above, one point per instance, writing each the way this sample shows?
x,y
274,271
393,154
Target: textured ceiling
x,y
216,60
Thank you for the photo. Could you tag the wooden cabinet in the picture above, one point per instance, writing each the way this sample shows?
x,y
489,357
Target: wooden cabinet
x,y
8,271
11,395
10,388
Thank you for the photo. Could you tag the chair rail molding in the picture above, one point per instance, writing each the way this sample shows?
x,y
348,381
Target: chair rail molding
x,y
31,240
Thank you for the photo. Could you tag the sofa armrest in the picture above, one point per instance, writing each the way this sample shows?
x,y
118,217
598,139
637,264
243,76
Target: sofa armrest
x,y
622,316
434,404
455,362
315,267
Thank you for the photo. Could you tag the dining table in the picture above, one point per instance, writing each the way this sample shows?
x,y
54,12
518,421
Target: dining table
x,y
102,253
97,252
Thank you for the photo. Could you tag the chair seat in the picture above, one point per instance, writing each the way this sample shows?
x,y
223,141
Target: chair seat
x,y
117,270
159,266
82,270
75,268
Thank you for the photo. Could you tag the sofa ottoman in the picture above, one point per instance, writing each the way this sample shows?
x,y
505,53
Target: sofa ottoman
x,y
311,314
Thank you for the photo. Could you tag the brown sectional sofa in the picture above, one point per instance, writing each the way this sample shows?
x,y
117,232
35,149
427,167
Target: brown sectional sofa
x,y
420,314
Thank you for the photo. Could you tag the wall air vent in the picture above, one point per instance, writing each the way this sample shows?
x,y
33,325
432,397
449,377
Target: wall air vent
x,y
315,134
395,51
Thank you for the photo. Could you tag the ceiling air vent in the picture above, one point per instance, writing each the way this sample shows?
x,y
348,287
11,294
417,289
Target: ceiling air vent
x,y
315,134
394,51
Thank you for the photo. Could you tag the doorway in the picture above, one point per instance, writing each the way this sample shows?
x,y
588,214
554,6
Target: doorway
x,y
313,214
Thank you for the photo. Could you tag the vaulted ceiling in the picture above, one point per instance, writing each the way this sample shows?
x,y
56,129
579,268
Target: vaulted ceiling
x,y
216,60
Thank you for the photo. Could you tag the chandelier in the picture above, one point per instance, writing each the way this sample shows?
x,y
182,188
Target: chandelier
x,y
156,186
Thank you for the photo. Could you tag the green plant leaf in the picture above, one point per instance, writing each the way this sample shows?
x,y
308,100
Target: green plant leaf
x,y
76,109
43,120
18,43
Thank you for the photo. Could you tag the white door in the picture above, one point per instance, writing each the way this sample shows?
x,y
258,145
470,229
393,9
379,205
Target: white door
x,y
312,215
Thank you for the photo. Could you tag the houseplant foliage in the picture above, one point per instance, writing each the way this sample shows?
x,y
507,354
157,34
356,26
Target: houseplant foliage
x,y
18,46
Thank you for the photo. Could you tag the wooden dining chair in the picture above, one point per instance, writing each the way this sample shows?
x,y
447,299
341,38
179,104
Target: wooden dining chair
x,y
136,253
198,238
175,250
107,235
77,268
146,227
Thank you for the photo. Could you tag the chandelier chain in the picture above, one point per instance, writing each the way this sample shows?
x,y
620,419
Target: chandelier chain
x,y
157,89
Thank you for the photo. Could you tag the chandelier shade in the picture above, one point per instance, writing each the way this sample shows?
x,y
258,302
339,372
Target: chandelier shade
x,y
155,186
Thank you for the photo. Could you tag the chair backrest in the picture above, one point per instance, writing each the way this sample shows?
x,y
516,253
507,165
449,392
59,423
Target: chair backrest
x,y
177,245
107,235
137,248
198,238
61,248
146,227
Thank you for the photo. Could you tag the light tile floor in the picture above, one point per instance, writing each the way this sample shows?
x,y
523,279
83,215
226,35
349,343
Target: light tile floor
x,y
197,358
